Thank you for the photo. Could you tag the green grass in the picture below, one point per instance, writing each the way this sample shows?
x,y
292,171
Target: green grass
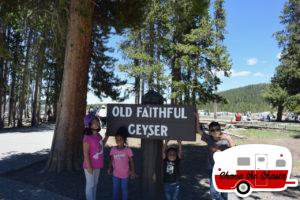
x,y
256,133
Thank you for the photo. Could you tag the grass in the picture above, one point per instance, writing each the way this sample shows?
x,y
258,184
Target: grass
x,y
264,134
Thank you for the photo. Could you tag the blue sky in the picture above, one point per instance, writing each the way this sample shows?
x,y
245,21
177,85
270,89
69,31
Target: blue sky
x,y
253,49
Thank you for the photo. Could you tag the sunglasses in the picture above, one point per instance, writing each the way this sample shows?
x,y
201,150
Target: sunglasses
x,y
214,130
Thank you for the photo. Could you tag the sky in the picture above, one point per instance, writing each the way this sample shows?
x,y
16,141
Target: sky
x,y
253,49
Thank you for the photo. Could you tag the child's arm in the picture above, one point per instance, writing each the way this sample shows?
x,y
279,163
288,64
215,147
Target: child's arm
x,y
198,130
204,136
179,149
228,138
86,157
165,144
132,169
213,149
105,139
110,167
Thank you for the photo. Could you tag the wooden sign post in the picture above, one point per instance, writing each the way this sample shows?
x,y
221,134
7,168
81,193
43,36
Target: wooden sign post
x,y
152,182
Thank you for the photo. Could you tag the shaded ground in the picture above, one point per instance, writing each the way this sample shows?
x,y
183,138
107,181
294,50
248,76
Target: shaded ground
x,y
72,184
194,180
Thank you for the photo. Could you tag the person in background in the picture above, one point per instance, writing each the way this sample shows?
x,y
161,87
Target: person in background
x,y
238,117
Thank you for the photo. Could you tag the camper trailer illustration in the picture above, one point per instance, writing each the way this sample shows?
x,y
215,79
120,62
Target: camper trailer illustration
x,y
254,167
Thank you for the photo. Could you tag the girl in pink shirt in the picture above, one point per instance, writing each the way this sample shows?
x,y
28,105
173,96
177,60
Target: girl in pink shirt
x,y
93,155
121,156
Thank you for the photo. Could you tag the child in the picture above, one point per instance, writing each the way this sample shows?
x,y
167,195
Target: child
x,y
93,155
121,156
216,141
171,170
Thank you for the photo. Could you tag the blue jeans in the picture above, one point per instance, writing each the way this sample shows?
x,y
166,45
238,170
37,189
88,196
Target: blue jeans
x,y
215,194
171,190
116,188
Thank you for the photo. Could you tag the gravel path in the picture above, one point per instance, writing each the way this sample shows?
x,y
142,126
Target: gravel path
x,y
26,140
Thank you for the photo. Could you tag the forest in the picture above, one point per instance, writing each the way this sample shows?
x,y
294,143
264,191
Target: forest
x,y
244,99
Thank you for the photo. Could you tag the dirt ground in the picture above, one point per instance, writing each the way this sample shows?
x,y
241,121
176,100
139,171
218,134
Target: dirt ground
x,y
194,181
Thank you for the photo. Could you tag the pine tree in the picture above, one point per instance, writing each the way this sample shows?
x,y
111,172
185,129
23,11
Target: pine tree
x,y
202,56
103,80
287,75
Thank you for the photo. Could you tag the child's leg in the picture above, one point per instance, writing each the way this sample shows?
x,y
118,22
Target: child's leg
x,y
176,189
224,195
89,187
96,173
124,182
116,184
168,191
214,194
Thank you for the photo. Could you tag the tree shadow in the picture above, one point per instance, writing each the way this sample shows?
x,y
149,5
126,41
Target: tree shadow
x,y
71,184
296,136
194,181
14,162
195,176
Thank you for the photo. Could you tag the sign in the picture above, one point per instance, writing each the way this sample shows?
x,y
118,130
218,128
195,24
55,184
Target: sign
x,y
153,121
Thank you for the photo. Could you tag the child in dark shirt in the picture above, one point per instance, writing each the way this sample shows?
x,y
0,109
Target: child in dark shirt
x,y
171,170
216,140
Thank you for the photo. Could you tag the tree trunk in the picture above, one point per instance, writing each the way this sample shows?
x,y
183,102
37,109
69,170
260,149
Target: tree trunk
x,y
23,94
152,187
151,52
47,105
12,95
57,90
4,100
2,92
137,81
36,99
175,71
137,89
5,75
35,118
12,98
279,113
152,182
215,109
66,150
2,69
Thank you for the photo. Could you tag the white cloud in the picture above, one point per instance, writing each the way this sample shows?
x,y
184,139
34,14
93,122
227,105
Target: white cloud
x,y
240,73
259,74
252,61
278,56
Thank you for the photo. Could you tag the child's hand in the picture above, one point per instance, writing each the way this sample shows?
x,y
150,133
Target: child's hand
x,y
90,170
166,141
224,136
179,141
133,175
